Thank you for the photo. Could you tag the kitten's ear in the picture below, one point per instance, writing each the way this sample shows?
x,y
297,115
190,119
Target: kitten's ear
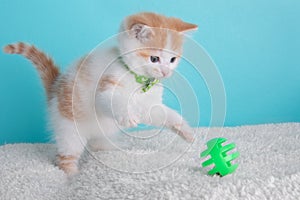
x,y
141,32
182,26
187,27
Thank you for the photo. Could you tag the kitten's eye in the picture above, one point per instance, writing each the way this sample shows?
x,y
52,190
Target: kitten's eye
x,y
154,59
173,59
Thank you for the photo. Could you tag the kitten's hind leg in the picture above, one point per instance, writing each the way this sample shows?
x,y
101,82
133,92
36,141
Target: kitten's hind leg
x,y
70,145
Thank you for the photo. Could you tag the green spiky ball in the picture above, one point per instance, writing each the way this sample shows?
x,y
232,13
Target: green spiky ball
x,y
219,157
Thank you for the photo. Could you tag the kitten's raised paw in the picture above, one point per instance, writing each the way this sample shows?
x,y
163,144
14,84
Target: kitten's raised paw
x,y
128,122
185,132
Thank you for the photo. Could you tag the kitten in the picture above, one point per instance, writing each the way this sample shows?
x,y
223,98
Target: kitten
x,y
122,93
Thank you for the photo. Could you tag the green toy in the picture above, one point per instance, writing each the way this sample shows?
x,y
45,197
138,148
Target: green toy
x,y
219,157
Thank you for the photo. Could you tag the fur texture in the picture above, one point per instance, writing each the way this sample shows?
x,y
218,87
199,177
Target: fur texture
x,y
94,98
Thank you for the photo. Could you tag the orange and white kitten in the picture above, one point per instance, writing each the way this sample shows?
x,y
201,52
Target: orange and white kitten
x,y
100,93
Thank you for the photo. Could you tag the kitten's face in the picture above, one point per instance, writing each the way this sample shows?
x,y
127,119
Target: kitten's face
x,y
158,54
152,45
157,63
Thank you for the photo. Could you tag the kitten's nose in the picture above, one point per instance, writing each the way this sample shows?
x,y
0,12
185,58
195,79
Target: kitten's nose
x,y
165,71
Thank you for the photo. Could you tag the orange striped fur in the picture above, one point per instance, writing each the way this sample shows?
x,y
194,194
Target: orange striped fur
x,y
67,163
107,81
43,63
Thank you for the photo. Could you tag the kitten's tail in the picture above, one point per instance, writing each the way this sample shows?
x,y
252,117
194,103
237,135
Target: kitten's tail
x,y
43,63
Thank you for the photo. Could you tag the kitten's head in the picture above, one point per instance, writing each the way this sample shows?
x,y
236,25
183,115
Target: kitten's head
x,y
152,44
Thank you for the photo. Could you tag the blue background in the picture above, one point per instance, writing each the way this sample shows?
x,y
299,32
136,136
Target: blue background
x,y
255,45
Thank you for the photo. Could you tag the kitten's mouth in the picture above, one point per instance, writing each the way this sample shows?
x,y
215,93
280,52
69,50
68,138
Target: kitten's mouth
x,y
161,77
160,74
166,75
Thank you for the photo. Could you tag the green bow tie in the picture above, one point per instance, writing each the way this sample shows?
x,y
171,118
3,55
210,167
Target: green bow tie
x,y
145,81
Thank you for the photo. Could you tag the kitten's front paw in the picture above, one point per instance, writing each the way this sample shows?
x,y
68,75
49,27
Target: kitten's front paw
x,y
184,131
128,121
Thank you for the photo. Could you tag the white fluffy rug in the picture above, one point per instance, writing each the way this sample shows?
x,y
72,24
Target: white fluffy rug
x,y
162,167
